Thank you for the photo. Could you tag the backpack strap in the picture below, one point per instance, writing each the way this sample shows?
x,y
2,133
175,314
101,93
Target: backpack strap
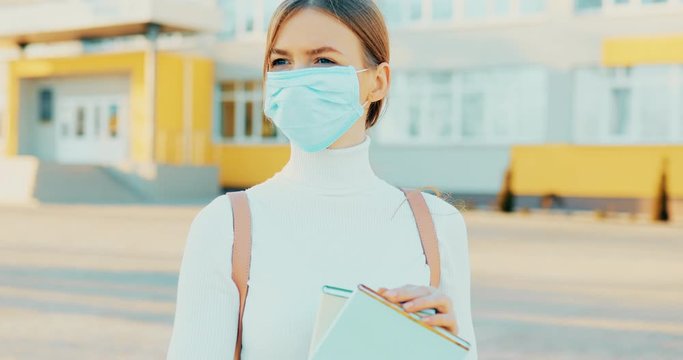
x,y
425,226
241,254
241,247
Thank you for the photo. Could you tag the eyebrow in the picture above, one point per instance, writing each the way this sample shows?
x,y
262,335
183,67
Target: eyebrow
x,y
309,52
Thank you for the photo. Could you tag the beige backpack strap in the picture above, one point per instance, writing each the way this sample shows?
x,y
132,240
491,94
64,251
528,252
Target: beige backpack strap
x,y
241,254
425,226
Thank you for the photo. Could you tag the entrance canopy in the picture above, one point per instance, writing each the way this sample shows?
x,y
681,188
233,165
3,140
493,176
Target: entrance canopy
x,y
31,21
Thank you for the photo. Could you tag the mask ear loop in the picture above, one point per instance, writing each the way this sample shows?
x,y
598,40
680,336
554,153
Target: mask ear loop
x,y
360,71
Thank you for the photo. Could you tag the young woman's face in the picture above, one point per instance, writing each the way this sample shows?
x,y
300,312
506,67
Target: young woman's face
x,y
312,38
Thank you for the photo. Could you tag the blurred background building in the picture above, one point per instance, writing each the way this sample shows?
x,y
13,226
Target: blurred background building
x,y
578,103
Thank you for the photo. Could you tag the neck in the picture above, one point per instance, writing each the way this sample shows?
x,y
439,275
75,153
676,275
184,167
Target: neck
x,y
331,170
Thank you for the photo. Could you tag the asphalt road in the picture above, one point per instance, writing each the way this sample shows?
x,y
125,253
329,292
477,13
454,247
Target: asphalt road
x,y
89,282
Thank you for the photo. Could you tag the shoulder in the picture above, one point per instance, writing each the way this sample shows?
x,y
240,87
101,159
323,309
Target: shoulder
x,y
450,226
211,232
444,214
452,237
218,211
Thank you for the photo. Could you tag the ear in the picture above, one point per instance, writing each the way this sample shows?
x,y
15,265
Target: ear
x,y
382,81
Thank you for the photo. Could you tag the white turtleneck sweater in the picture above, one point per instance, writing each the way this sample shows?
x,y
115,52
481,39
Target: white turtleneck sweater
x,y
325,218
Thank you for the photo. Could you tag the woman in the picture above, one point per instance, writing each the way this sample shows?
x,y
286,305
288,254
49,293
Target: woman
x,y
325,218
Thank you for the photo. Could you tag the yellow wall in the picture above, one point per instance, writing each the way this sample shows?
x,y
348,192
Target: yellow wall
x,y
184,81
596,171
178,74
631,51
169,108
204,78
246,165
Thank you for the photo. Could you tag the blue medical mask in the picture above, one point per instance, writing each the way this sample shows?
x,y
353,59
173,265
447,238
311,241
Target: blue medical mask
x,y
313,106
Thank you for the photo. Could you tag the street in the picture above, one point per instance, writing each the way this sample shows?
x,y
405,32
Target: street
x,y
99,282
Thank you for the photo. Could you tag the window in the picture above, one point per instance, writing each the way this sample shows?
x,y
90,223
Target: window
x,y
442,9
502,107
415,10
247,13
269,7
416,92
441,107
655,101
96,124
531,6
249,112
404,13
113,120
621,111
228,9
244,17
391,11
588,5
678,89
45,105
628,105
475,9
80,121
472,115
414,121
242,116
499,105
501,7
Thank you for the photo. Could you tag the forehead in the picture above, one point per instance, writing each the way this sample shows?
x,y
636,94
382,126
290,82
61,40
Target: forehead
x,y
310,29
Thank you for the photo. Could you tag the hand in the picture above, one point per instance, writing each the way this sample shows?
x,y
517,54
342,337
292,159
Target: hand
x,y
418,298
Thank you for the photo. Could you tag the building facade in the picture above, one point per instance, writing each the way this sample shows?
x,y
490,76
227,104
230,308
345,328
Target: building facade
x,y
578,99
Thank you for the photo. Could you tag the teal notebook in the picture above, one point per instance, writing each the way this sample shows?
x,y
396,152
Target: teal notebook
x,y
361,324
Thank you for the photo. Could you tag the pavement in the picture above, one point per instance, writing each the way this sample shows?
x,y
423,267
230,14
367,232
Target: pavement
x,y
99,282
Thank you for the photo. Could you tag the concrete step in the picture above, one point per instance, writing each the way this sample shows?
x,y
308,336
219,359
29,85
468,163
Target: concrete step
x,y
26,179
65,183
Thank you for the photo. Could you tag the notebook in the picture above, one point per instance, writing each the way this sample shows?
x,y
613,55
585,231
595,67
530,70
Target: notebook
x,y
361,324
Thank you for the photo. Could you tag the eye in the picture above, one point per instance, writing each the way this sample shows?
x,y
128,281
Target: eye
x,y
325,61
278,62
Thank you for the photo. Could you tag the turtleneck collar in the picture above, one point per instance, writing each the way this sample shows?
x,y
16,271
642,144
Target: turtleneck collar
x,y
336,170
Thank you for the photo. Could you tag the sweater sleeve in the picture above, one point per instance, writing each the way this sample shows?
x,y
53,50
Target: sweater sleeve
x,y
451,231
207,306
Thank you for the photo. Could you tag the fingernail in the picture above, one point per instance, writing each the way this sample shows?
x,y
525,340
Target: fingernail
x,y
407,305
390,293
